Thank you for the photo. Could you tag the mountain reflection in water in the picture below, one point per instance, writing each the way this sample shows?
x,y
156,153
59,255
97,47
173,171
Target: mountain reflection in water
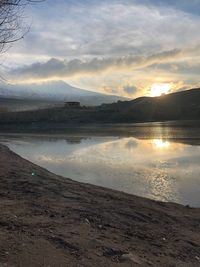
x,y
158,168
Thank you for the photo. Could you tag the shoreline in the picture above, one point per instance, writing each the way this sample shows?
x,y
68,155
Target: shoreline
x,y
48,220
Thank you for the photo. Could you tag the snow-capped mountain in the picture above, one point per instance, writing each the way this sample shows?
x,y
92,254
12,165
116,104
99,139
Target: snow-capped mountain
x,y
55,91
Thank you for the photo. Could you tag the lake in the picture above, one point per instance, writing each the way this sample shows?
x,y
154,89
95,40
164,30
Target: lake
x,y
156,161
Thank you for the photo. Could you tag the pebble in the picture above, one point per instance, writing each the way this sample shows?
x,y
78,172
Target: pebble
x,y
197,258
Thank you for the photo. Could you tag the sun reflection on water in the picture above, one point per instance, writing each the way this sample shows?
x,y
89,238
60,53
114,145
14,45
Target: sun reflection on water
x,y
162,168
161,144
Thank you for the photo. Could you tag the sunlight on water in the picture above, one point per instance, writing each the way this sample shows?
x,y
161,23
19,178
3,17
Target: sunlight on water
x,y
155,168
159,143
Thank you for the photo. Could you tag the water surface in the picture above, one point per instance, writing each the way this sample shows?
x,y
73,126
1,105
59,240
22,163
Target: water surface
x,y
163,166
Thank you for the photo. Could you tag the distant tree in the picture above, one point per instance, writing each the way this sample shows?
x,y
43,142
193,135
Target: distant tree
x,y
11,13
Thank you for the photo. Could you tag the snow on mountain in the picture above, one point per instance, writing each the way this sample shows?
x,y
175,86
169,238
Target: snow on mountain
x,y
55,91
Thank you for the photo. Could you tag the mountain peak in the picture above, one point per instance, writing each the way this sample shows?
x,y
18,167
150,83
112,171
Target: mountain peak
x,y
55,91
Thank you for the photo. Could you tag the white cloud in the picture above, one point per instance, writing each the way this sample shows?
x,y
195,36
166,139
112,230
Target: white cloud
x,y
108,29
80,39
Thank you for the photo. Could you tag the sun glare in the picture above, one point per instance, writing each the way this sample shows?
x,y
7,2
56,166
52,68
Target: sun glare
x,y
161,144
158,89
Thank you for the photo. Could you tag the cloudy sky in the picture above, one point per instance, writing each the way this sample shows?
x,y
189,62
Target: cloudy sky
x,y
121,47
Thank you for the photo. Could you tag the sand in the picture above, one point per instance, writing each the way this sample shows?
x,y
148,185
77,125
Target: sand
x,y
48,220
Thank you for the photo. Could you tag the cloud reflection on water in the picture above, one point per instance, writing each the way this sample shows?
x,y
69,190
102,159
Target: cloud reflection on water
x,y
154,168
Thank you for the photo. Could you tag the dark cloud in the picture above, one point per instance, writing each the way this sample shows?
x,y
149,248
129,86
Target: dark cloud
x,y
56,68
130,90
178,67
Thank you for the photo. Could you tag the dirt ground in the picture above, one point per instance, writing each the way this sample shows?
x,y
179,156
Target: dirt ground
x,y
48,220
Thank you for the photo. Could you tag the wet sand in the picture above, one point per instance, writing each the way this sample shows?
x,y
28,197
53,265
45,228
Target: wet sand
x,y
48,220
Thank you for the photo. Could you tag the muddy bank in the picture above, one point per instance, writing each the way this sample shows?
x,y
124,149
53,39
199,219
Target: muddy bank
x,y
48,220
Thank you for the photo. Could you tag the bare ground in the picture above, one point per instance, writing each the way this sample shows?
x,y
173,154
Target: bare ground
x,y
48,220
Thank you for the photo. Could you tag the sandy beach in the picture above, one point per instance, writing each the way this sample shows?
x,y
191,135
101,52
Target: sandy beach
x,y
48,220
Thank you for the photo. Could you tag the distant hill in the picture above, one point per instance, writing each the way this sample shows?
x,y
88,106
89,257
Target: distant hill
x,y
22,104
34,96
175,106
183,105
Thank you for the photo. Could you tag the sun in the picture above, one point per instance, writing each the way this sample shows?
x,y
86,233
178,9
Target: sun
x,y
158,89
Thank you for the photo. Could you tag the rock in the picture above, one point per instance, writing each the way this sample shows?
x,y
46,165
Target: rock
x,y
87,221
131,257
197,258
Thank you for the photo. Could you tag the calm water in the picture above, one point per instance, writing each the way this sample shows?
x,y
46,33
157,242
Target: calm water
x,y
164,165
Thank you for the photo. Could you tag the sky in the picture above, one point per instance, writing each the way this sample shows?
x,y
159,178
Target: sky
x,y
116,47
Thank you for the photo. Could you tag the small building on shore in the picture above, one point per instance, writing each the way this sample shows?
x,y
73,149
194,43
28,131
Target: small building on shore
x,y
72,104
